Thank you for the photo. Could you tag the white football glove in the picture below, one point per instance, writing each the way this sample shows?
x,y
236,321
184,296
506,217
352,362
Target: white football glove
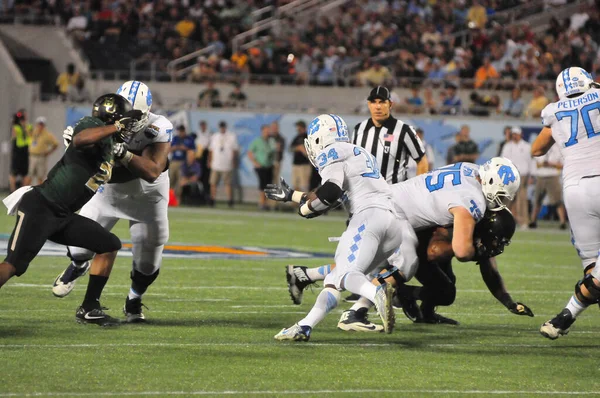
x,y
68,136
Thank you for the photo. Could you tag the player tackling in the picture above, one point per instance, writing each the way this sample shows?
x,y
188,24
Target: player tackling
x,y
137,192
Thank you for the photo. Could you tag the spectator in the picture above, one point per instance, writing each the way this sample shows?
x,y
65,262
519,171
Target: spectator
x,y
203,137
66,80
484,105
185,27
451,154
77,24
507,132
278,143
414,103
21,138
222,161
509,75
514,106
376,75
209,97
78,92
477,15
537,103
236,99
485,73
180,145
43,143
451,104
548,185
466,149
431,105
262,155
519,152
301,166
189,177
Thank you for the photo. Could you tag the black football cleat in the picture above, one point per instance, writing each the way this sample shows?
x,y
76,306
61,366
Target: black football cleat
x,y
357,321
558,326
95,316
133,310
431,317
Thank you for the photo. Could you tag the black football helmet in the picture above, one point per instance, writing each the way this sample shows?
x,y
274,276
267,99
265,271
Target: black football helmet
x,y
494,232
110,107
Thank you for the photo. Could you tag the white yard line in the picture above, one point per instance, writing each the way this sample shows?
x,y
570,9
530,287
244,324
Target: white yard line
x,y
300,392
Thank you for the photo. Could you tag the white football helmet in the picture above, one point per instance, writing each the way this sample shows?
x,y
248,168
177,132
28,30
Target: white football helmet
x,y
500,181
140,97
571,81
323,131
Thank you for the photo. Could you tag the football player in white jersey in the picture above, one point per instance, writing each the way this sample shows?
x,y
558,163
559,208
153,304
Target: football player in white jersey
x,y
138,192
374,232
456,195
573,123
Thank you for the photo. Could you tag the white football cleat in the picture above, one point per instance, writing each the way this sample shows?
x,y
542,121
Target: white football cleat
x,y
65,282
357,321
383,304
294,333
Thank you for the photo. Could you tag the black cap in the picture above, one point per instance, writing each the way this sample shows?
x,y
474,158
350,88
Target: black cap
x,y
379,92
300,123
181,127
222,123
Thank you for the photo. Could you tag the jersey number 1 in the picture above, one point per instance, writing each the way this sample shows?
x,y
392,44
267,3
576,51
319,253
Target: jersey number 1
x,y
587,121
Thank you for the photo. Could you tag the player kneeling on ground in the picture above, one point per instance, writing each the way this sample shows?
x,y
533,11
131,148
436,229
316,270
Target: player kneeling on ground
x,y
47,211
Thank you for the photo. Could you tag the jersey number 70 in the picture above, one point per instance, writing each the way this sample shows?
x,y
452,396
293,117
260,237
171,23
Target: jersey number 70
x,y
573,114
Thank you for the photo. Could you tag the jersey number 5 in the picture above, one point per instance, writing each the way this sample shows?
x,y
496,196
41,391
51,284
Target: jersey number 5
x,y
371,163
451,170
573,114
101,177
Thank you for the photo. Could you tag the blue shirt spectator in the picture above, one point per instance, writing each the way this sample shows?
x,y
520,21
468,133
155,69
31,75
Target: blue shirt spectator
x,y
452,102
191,170
180,144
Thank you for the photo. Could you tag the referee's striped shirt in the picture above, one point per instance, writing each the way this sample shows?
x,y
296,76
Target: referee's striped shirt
x,y
392,144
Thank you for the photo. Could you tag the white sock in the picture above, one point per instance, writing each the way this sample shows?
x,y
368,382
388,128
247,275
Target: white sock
x,y
358,283
319,273
361,303
327,300
575,306
133,294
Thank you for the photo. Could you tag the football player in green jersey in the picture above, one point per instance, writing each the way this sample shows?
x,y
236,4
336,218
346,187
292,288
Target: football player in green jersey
x,y
47,211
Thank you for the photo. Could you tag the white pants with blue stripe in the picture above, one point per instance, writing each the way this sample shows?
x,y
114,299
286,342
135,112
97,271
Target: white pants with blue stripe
x,y
583,208
372,236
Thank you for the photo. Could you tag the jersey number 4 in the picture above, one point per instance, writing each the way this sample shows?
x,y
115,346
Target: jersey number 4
x,y
443,172
371,163
573,114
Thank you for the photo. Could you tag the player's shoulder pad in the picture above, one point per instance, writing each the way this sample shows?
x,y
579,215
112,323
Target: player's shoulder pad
x,y
334,153
160,129
548,114
87,122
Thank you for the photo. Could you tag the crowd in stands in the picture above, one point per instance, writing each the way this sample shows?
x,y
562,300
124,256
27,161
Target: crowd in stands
x,y
365,42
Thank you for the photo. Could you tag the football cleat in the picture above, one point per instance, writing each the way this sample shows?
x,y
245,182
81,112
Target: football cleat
x,y
65,282
410,308
353,298
133,310
294,333
557,326
357,321
297,281
383,304
95,316
435,318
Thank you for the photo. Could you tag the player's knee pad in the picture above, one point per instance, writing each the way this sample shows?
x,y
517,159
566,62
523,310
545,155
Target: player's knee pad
x,y
80,255
588,270
593,291
143,279
391,272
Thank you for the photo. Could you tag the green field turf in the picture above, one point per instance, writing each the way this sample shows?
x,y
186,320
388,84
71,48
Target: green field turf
x,y
211,326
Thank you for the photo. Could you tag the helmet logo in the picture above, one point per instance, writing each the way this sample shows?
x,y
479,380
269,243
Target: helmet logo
x,y
506,174
109,105
314,126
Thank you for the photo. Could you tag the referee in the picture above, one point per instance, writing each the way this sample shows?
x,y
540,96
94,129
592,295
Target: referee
x,y
390,140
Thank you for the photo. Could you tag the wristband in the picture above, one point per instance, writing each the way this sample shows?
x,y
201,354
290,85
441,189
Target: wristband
x,y
305,210
297,196
126,158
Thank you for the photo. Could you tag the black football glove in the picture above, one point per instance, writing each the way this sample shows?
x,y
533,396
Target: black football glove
x,y
119,150
125,124
520,309
279,193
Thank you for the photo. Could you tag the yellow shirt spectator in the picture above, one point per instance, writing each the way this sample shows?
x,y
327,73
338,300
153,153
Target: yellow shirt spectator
x,y
478,15
65,80
185,28
42,142
537,104
240,59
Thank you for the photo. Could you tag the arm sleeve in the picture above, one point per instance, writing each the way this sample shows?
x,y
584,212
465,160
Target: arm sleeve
x,y
412,142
